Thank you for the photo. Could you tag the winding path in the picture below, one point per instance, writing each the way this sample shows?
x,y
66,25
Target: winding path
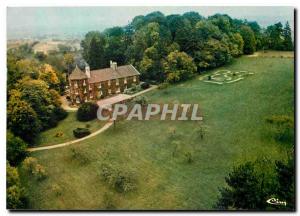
x,y
104,128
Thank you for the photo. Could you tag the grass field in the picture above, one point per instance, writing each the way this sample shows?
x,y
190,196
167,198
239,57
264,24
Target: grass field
x,y
66,126
234,118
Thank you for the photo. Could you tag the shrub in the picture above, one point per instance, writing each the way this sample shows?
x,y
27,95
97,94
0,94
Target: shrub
x,y
29,164
59,134
163,85
133,89
144,85
15,149
142,100
79,155
60,113
81,132
15,196
120,180
40,172
87,111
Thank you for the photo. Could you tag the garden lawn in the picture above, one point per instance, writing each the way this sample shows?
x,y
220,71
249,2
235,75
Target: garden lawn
x,y
157,152
66,126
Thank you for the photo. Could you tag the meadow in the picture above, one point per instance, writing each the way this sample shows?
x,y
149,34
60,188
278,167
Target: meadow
x,y
174,167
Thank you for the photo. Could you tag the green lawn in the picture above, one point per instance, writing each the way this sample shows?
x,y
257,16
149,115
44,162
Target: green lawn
x,y
66,126
236,132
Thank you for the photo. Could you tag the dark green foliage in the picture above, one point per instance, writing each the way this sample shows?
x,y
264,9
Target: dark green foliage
x,y
40,56
149,39
60,113
249,186
249,39
145,85
87,111
287,38
15,149
93,49
286,180
81,132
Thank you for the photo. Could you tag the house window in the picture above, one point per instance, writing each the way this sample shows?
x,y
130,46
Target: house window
x,y
84,91
109,91
117,81
134,79
125,80
108,82
84,84
76,85
118,90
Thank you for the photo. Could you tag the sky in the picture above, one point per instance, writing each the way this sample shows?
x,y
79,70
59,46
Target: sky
x,y
24,22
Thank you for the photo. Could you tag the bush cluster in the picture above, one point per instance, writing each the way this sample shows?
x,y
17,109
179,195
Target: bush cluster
x,y
81,132
120,180
87,111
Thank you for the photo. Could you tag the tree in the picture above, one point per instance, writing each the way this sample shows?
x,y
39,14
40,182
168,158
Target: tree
x,y
287,38
247,188
68,61
179,66
214,53
15,149
93,49
22,120
275,36
286,179
49,75
41,56
236,44
15,197
87,111
249,39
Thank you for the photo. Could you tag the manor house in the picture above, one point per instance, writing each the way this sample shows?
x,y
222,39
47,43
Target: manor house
x,y
96,84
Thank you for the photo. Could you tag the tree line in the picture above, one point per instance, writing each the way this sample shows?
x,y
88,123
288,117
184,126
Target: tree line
x,y
154,43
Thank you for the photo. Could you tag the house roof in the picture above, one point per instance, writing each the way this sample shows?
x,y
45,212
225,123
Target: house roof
x,y
77,74
110,73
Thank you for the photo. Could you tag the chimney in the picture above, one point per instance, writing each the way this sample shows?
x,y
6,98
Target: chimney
x,y
87,71
113,65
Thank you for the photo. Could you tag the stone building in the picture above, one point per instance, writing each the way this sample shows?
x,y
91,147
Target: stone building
x,y
96,84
